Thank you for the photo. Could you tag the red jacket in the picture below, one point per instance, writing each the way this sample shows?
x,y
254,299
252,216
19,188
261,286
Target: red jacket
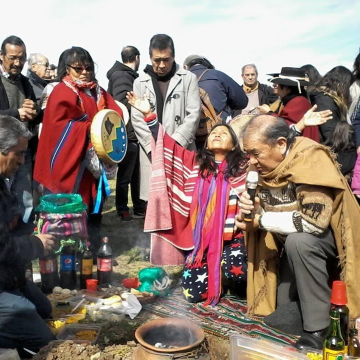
x,y
294,110
65,137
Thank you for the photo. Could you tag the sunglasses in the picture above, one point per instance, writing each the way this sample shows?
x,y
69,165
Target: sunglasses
x,y
80,69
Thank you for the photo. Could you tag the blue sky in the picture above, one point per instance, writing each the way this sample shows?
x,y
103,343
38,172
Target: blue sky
x,y
269,33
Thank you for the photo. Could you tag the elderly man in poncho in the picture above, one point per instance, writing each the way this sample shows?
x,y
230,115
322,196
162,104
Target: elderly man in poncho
x,y
304,233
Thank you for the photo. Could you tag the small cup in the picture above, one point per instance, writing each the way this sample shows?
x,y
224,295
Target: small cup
x,y
131,283
91,284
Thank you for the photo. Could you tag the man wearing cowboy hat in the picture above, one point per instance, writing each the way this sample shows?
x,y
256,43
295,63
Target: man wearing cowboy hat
x,y
294,102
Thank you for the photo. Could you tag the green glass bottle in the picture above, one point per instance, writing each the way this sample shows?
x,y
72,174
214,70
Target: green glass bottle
x,y
334,344
354,346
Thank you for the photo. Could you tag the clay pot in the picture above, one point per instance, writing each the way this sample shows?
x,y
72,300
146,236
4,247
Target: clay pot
x,y
181,335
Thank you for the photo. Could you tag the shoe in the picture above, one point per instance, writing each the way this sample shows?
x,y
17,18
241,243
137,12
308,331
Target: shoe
x,y
139,214
286,318
312,340
125,216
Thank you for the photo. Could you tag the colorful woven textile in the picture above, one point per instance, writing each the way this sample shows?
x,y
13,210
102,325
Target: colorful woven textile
x,y
222,320
64,225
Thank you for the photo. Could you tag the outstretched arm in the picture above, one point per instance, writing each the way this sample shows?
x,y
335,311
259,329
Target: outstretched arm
x,y
313,118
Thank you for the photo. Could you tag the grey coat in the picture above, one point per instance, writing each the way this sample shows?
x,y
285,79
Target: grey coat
x,y
181,111
180,119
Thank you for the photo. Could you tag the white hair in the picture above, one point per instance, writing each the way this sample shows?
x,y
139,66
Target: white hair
x,y
34,58
11,130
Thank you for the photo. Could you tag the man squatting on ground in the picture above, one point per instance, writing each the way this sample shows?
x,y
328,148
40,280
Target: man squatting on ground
x,y
304,207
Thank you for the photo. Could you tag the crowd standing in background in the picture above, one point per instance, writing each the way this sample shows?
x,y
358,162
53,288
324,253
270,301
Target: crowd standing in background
x,y
186,166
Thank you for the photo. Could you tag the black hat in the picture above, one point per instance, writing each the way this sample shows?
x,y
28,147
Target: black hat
x,y
291,77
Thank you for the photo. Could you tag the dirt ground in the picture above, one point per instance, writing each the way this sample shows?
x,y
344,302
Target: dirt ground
x,y
131,251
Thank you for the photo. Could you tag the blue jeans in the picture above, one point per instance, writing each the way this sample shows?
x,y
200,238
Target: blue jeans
x,y
21,319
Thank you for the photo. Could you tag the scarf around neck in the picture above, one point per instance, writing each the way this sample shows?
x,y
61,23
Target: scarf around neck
x,y
208,212
155,78
78,86
289,97
248,89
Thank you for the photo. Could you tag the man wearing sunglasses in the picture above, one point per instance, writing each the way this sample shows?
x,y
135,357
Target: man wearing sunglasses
x,y
17,99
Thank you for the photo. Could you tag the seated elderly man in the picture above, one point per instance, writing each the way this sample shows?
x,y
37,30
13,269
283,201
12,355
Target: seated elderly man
x,y
306,214
22,305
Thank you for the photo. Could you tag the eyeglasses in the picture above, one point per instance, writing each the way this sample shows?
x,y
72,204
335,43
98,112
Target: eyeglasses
x,y
80,69
21,59
44,64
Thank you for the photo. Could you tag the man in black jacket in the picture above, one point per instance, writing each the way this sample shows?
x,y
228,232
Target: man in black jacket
x,y
22,304
121,78
258,94
17,99
38,65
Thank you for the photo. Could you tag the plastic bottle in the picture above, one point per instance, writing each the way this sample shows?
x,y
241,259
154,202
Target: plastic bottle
x,y
67,268
86,267
49,273
104,263
334,344
338,301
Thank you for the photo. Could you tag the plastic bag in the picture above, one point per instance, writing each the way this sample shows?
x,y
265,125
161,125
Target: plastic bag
x,y
154,280
61,204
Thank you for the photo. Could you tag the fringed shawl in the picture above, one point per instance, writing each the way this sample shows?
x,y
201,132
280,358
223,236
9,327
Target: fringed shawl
x,y
313,164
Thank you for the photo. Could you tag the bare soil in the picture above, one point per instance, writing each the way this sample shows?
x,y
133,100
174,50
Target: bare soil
x,y
130,247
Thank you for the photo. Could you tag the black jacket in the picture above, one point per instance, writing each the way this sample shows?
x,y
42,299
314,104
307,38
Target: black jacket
x,y
38,84
225,94
17,246
29,94
121,80
325,102
4,101
266,94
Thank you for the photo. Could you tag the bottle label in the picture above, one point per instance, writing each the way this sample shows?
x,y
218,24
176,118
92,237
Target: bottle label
x,y
86,266
48,266
67,262
334,354
104,264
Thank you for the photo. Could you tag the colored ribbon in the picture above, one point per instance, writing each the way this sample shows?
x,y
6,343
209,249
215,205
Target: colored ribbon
x,y
103,179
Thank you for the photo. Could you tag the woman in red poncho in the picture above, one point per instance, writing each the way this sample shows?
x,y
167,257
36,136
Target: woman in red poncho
x,y
294,102
63,157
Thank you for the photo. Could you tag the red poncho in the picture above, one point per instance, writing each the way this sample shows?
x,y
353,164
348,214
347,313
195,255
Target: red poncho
x,y
65,137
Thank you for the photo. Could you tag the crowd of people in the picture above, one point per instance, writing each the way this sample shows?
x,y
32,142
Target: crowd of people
x,y
186,165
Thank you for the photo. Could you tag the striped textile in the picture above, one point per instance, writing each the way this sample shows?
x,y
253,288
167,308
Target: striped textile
x,y
158,208
229,316
181,172
63,224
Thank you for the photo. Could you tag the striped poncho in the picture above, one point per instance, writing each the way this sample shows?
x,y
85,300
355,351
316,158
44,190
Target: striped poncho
x,y
189,211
